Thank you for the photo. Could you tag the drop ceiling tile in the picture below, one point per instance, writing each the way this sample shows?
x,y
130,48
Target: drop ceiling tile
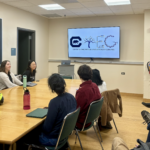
x,y
81,7
51,15
9,0
119,11
105,8
79,10
19,3
89,0
65,1
41,2
122,13
139,1
141,6
103,12
63,12
39,12
72,5
43,12
93,15
85,13
36,10
82,11
71,14
94,4
66,14
123,7
138,11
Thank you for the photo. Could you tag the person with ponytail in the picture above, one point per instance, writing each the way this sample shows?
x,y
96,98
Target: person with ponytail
x,y
7,78
58,108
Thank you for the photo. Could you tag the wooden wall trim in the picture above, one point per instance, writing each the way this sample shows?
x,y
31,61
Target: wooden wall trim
x,y
131,94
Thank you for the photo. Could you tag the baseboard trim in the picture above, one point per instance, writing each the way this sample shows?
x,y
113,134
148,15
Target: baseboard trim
x,y
131,94
146,100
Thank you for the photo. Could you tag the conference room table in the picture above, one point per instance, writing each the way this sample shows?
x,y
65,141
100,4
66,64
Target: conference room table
x,y
13,121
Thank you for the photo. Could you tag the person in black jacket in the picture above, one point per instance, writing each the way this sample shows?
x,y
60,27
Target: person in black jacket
x,y
58,108
30,71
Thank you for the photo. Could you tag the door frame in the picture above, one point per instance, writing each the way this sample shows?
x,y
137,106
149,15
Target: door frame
x,y
33,42
0,40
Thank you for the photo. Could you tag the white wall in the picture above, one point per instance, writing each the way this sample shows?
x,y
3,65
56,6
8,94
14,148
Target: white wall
x,y
132,45
11,19
146,54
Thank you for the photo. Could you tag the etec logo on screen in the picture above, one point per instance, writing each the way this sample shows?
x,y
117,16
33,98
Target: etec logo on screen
x,y
76,41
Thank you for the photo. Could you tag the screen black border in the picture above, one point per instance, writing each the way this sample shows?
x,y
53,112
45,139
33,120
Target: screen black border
x,y
95,57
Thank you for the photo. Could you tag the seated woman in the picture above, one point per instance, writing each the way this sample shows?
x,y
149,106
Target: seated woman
x,y
86,94
7,78
96,78
58,108
30,71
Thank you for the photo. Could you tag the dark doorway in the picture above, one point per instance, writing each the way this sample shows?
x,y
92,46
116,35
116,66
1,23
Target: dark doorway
x,y
26,48
0,41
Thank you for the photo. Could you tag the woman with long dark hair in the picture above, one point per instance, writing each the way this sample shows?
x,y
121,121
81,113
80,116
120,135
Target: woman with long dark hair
x,y
7,78
30,71
96,78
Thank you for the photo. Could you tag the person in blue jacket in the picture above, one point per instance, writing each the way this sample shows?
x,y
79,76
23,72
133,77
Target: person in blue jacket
x,y
58,108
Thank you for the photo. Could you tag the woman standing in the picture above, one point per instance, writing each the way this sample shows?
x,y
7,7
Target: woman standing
x,y
30,71
7,78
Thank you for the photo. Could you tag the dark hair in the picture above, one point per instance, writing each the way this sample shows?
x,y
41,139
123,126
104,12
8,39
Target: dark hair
x,y
57,83
28,68
2,67
96,78
85,72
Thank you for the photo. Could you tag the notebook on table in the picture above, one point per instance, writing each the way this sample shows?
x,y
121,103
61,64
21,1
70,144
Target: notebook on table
x,y
31,84
38,113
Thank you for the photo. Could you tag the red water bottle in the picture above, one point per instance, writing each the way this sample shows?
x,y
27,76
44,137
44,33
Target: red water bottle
x,y
26,100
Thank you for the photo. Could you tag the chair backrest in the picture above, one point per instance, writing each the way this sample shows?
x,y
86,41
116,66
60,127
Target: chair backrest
x,y
93,111
68,125
66,76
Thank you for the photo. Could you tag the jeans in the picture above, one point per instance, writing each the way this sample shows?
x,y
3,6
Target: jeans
x,y
46,141
148,137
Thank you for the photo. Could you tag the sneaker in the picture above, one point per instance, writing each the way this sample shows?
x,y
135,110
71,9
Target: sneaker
x,y
146,104
146,116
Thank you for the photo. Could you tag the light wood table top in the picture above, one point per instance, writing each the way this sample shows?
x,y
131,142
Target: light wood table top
x,y
13,121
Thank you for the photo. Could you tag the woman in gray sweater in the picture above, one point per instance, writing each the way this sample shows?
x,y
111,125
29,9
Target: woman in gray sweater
x,y
7,78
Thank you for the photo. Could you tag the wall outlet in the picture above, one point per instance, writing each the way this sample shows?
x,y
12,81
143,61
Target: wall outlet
x,y
122,73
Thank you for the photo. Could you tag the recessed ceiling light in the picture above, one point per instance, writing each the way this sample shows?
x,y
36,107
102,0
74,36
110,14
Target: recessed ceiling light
x,y
52,7
117,2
